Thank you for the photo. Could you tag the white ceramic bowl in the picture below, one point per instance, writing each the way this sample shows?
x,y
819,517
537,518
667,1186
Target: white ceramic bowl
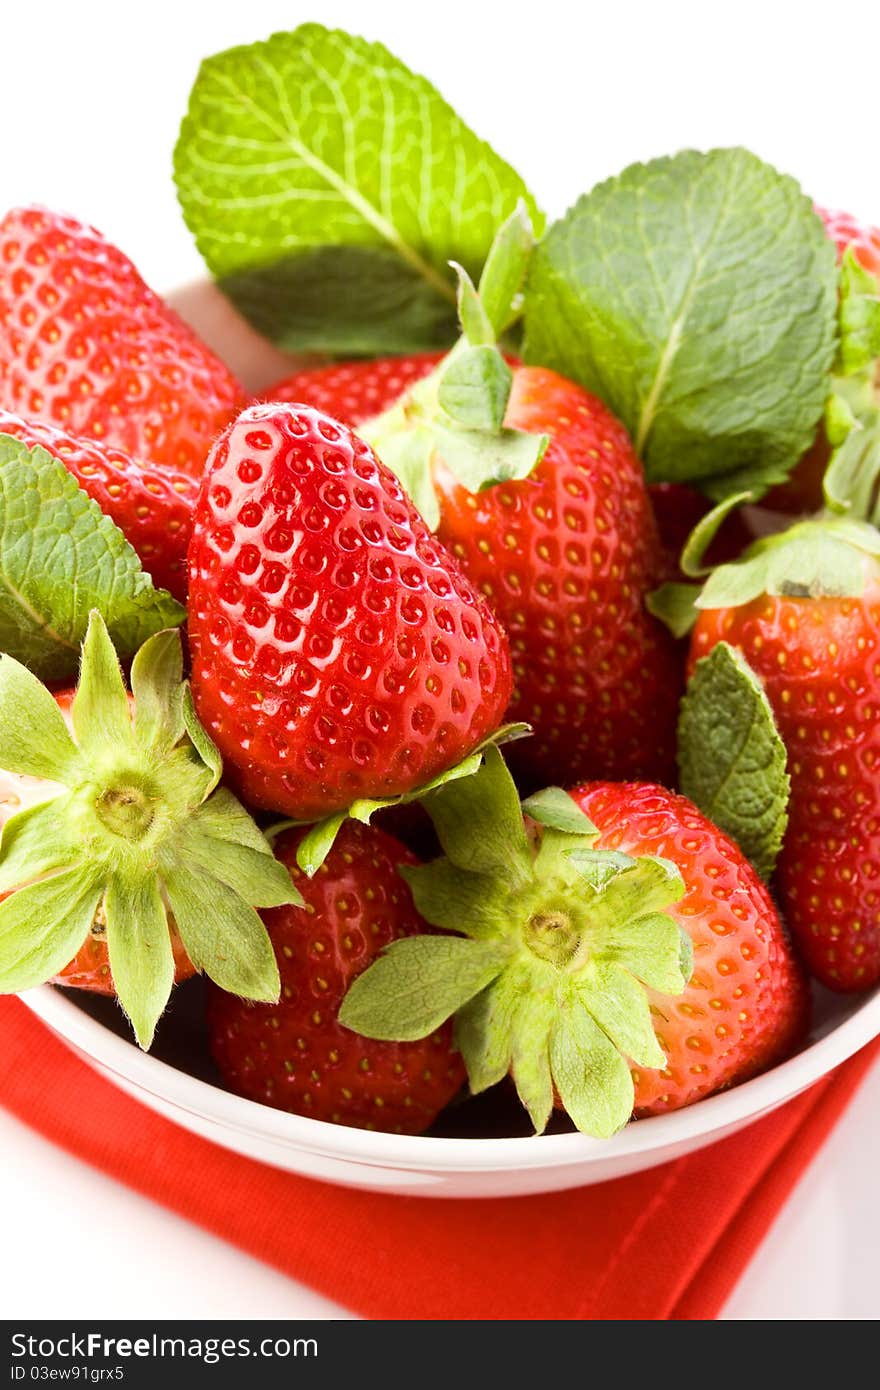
x,y
176,1080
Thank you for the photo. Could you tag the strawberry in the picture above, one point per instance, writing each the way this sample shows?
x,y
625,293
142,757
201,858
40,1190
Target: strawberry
x,y
294,1055
124,866
621,953
337,650
87,347
564,555
353,392
804,611
151,506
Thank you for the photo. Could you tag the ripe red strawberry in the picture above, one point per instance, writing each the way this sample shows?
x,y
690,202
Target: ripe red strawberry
x,y
565,558
87,347
294,1055
353,392
621,953
818,660
337,650
152,506
745,1005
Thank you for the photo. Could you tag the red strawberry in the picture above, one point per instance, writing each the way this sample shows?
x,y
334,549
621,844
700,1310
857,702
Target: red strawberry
x,y
123,865
353,392
621,953
337,650
86,346
565,558
802,492
818,659
745,1005
151,506
294,1055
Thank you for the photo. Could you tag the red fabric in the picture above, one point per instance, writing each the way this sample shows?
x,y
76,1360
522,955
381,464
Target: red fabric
x,y
669,1243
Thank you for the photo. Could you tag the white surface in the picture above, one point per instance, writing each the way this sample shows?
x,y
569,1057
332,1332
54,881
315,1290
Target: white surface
x,y
118,1253
97,96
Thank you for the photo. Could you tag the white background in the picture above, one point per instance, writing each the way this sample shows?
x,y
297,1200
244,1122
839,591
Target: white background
x,y
569,93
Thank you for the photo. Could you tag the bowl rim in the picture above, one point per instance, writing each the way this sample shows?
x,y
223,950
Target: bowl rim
x,y
712,1116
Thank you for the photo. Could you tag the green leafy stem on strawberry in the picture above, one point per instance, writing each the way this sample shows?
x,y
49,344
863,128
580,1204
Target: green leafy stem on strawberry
x,y
458,410
561,941
138,835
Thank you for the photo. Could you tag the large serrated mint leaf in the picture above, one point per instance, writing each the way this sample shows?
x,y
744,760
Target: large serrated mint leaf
x,y
696,295
328,187
60,557
731,757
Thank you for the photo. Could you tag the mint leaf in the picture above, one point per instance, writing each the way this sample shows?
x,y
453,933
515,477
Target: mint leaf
x,y
696,295
328,187
60,557
731,757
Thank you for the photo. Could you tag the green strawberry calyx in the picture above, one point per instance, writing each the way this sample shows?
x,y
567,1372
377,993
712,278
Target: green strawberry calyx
x,y
317,843
457,412
828,556
558,944
136,836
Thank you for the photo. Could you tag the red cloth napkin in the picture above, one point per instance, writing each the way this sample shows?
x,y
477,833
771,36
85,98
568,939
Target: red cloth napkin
x,y
669,1243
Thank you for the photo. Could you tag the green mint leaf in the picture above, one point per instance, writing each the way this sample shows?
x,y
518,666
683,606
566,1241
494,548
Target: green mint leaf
x,y
592,1078
34,738
731,756
475,387
476,327
100,710
554,807
157,687
328,187
60,557
43,926
859,343
222,934
417,983
480,459
504,274
697,296
141,958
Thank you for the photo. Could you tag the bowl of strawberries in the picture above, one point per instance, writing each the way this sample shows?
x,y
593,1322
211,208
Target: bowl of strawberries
x,y
440,680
